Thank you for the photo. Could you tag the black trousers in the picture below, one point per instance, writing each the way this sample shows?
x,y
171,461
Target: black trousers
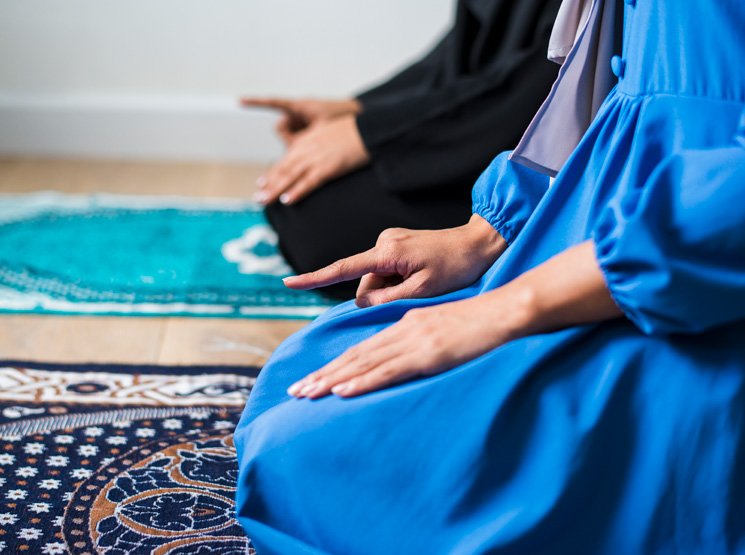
x,y
345,217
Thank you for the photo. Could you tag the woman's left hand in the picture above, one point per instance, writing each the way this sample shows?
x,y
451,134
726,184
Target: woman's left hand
x,y
424,342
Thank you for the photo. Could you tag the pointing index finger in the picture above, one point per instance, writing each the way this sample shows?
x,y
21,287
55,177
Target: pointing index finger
x,y
274,103
345,269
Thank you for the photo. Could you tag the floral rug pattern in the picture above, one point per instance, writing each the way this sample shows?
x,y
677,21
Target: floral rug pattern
x,y
113,468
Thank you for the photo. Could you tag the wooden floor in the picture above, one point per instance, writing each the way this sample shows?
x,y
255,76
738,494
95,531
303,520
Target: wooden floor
x,y
125,339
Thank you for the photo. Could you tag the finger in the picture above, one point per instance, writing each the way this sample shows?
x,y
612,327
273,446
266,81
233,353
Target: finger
x,y
374,282
302,188
369,282
266,102
348,367
411,288
283,125
293,176
378,342
377,345
291,124
279,179
392,371
345,269
279,168
286,129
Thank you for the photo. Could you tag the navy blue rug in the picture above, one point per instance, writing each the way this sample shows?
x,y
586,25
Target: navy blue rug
x,y
120,459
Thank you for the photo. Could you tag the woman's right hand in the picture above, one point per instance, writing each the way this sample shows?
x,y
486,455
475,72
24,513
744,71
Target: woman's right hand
x,y
408,264
298,115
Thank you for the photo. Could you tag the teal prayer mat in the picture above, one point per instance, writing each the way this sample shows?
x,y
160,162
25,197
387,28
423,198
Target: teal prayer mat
x,y
143,256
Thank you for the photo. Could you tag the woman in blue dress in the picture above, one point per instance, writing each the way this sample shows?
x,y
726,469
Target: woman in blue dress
x,y
569,378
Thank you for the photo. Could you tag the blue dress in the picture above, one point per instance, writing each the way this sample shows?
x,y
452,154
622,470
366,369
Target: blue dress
x,y
621,437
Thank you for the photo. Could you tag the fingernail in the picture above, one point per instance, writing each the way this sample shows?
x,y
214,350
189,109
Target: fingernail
x,y
261,197
294,389
308,389
317,388
261,181
363,302
341,389
284,198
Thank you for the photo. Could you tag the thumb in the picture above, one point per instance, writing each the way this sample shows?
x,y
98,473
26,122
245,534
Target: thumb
x,y
410,288
285,129
368,283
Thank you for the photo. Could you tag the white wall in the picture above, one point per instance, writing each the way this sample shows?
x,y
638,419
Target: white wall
x,y
158,78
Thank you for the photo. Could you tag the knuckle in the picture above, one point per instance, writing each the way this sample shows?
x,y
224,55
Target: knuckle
x,y
291,172
382,297
338,268
353,354
434,342
387,373
312,180
415,315
393,234
300,188
387,254
314,376
422,287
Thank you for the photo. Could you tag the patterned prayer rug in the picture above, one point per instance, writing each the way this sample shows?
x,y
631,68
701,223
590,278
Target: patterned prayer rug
x,y
120,459
141,255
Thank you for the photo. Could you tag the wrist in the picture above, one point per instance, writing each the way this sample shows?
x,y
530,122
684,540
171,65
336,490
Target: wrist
x,y
360,154
354,106
350,106
485,240
514,309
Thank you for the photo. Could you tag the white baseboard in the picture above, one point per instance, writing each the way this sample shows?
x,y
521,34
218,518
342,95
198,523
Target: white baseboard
x,y
147,128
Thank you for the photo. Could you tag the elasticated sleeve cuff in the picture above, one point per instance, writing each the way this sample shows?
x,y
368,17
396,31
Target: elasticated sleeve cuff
x,y
506,195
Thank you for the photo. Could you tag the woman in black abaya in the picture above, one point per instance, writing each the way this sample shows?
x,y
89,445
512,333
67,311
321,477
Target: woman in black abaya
x,y
407,152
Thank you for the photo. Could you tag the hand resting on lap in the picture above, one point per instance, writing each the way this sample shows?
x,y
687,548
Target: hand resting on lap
x,y
323,143
567,290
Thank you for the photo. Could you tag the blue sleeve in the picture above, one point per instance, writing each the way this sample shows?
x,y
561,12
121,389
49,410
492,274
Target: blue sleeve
x,y
506,195
673,250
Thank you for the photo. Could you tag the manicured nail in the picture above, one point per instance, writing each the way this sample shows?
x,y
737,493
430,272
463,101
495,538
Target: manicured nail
x,y
261,182
294,389
341,389
285,198
261,197
363,302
